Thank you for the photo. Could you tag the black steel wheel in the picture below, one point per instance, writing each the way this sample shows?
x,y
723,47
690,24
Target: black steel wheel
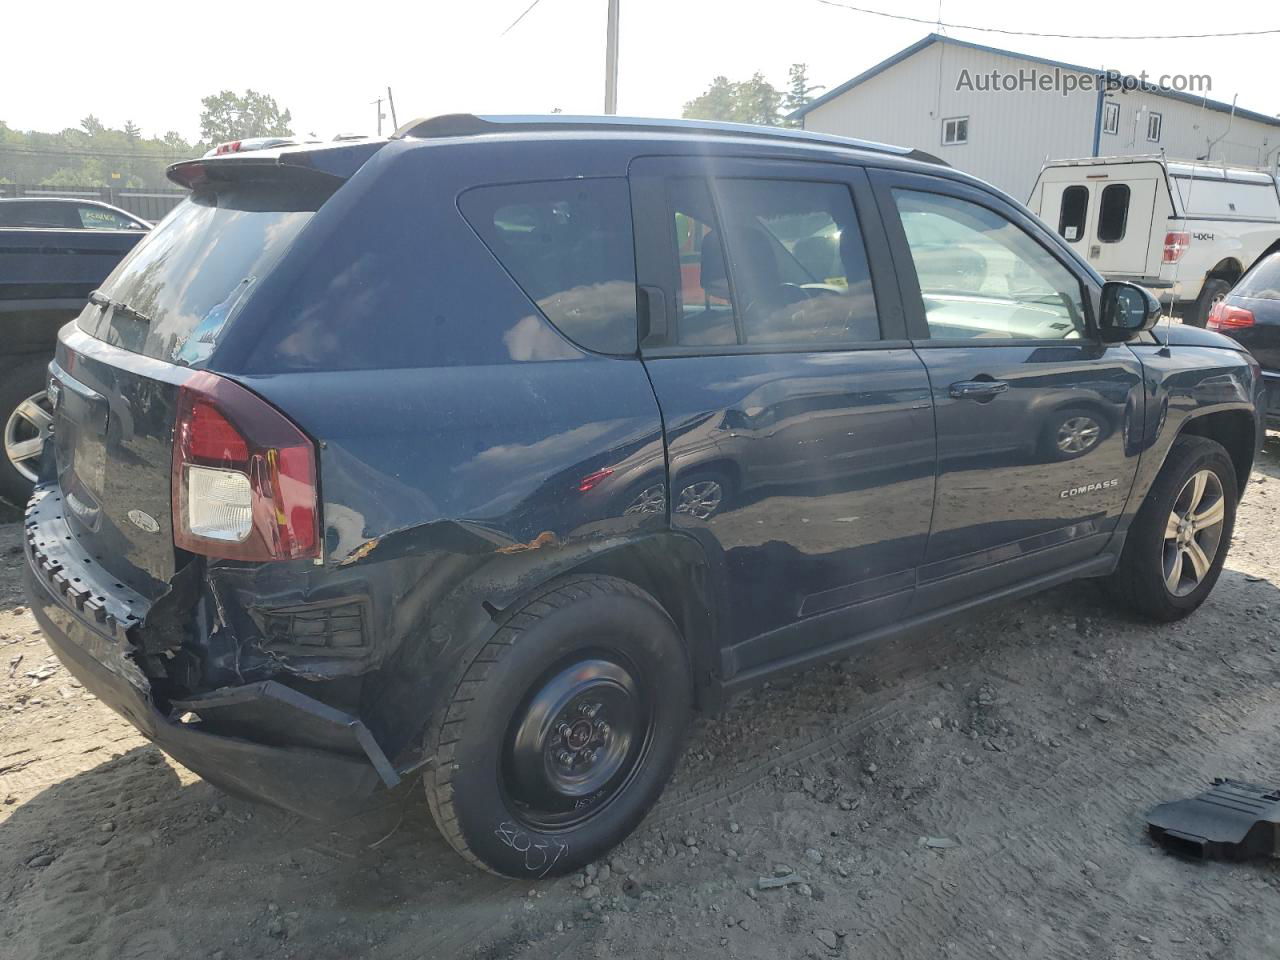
x,y
576,742
562,730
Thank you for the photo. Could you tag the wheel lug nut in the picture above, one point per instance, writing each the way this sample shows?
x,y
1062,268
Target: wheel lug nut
x,y
565,758
589,710
563,731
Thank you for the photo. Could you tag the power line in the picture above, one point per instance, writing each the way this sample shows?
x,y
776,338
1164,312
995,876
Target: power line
x,y
1031,33
527,11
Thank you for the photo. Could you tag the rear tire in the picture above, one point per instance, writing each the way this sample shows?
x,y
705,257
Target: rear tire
x,y
562,731
1212,291
1178,543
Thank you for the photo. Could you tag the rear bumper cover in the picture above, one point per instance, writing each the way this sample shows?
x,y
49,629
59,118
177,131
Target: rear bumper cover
x,y
1271,380
88,630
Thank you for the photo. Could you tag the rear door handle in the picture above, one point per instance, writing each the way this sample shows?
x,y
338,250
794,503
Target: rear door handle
x,y
980,390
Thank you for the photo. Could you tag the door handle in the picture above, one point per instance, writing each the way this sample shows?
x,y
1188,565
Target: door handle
x,y
980,390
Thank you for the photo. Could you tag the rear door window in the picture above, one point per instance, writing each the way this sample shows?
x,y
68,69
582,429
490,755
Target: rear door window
x,y
1075,206
568,244
797,262
704,302
775,262
1113,212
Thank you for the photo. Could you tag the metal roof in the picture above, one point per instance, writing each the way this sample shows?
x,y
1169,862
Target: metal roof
x,y
933,38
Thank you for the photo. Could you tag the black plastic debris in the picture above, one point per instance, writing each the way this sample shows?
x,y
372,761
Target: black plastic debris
x,y
1232,821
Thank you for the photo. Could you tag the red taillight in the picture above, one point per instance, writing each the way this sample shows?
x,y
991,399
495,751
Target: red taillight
x,y
1225,316
1175,245
211,438
244,477
593,480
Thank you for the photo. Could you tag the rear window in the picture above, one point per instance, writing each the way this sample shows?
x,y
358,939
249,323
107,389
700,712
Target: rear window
x,y
1075,204
182,283
1262,282
1113,212
568,244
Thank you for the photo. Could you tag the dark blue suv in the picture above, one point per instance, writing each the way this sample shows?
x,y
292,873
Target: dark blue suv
x,y
488,452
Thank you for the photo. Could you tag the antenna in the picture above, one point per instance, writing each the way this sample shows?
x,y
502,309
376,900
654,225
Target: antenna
x,y
1177,266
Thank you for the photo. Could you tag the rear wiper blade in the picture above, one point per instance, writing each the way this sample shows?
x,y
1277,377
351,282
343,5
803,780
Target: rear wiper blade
x,y
100,299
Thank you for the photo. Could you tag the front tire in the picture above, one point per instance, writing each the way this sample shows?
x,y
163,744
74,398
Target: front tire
x,y
562,731
1178,543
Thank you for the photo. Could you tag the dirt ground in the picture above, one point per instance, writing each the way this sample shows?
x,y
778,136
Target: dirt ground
x,y
975,792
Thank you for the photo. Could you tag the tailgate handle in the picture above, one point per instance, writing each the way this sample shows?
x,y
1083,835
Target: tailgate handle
x,y
653,315
980,390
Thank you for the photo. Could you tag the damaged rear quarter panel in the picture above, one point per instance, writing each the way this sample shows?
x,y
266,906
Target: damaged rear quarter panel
x,y
443,487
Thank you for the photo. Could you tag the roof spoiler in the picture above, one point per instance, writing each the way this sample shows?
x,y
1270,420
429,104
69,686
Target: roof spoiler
x,y
471,125
330,164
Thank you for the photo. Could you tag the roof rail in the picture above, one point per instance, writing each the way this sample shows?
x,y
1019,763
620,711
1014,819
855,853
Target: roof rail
x,y
468,125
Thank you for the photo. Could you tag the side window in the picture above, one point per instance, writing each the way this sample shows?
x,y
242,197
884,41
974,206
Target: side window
x,y
797,262
96,218
955,130
568,244
982,276
1113,212
1154,122
704,304
1075,204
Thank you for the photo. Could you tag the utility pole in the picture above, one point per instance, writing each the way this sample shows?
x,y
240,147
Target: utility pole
x,y
392,104
611,62
381,116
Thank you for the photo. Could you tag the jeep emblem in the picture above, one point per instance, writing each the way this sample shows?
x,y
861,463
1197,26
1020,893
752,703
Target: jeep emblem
x,y
144,521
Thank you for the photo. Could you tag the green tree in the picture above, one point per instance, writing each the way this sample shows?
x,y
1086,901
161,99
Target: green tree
x,y
799,92
755,100
92,125
230,116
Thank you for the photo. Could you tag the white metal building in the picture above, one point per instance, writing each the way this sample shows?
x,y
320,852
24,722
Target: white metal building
x,y
940,95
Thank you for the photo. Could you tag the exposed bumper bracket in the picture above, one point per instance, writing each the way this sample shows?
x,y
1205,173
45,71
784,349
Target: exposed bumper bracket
x,y
270,704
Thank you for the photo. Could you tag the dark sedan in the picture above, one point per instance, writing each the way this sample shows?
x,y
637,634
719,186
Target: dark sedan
x,y
1250,314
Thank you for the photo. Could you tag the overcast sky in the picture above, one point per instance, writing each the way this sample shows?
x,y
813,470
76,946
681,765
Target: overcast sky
x,y
152,62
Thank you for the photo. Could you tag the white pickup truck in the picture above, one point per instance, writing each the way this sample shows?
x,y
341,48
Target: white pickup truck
x,y
1187,230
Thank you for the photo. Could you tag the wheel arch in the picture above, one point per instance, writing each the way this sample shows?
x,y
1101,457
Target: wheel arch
x,y
1236,430
1228,269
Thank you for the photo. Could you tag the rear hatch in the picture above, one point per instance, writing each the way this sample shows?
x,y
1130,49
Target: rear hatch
x,y
154,322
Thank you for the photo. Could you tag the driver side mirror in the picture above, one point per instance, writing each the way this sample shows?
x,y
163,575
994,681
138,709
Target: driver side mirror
x,y
1127,310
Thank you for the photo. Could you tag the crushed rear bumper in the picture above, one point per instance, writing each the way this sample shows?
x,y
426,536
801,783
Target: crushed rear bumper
x,y
87,620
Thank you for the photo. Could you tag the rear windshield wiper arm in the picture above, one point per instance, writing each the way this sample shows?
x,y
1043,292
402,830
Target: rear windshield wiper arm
x,y
100,299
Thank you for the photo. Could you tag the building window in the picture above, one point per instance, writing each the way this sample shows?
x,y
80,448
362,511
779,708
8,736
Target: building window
x,y
1075,204
1111,117
1153,127
955,130
1113,212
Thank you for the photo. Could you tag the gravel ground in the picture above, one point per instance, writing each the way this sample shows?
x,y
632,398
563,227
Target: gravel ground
x,y
976,791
